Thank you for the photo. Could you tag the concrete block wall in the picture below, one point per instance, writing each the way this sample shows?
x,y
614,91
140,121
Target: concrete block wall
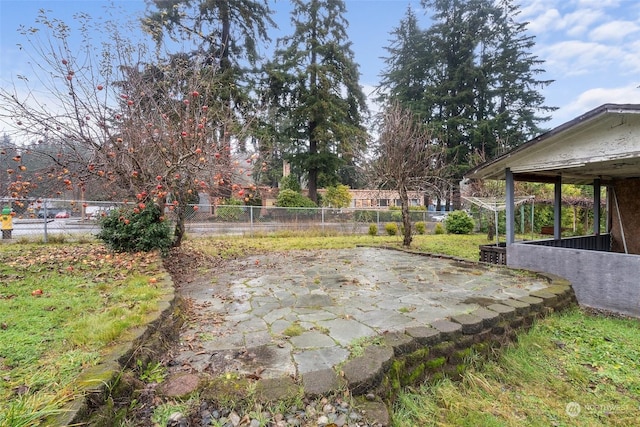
x,y
602,280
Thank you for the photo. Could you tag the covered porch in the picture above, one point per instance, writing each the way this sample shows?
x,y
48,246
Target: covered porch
x,y
600,148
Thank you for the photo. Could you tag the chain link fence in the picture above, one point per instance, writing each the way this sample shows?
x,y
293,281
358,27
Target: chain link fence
x,y
73,217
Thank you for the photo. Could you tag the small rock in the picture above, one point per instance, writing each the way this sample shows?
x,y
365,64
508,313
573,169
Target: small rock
x,y
323,420
311,411
177,420
370,397
234,419
341,420
206,417
327,408
559,344
180,385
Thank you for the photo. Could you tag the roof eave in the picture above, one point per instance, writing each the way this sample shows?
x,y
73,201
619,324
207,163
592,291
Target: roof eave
x,y
494,169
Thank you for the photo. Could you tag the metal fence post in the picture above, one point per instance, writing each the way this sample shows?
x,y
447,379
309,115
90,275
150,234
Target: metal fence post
x,y
45,238
251,219
322,211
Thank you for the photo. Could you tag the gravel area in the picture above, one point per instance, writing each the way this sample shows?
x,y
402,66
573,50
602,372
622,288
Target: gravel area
x,y
329,412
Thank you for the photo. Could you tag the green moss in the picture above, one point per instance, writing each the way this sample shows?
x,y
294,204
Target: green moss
x,y
443,349
480,347
437,377
462,355
418,356
416,374
435,363
228,390
293,330
397,367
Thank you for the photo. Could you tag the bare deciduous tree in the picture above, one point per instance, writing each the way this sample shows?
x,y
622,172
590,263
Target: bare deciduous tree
x,y
407,158
149,129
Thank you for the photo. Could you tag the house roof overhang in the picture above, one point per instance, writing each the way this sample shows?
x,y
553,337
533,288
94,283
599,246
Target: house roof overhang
x,y
603,143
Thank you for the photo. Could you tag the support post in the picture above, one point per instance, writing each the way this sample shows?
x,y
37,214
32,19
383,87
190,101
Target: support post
x,y
557,209
596,206
510,207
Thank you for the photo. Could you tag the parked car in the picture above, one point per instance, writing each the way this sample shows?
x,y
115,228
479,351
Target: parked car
x,y
51,213
62,214
97,212
439,217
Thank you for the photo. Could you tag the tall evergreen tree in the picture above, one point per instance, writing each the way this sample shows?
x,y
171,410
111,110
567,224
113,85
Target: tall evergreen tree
x,y
313,84
405,77
488,96
480,91
518,106
226,32
451,95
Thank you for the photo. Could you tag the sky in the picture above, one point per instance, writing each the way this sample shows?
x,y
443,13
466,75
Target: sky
x,y
591,48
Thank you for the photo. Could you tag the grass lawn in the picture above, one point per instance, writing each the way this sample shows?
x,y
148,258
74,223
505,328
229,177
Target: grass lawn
x,y
461,246
60,307
570,369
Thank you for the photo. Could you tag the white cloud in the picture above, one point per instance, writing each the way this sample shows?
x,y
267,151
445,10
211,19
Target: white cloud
x,y
546,21
578,22
530,9
595,97
597,3
576,57
630,63
614,31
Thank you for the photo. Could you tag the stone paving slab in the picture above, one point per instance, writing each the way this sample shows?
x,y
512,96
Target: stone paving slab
x,y
243,315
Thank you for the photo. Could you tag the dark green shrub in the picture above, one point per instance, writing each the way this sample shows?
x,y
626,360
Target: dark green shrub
x,y
391,228
291,199
421,227
373,230
132,229
459,222
290,182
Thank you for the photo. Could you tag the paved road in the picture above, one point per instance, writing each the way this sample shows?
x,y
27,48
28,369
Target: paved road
x,y
37,227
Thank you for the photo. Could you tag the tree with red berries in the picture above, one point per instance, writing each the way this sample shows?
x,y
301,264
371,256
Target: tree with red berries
x,y
148,130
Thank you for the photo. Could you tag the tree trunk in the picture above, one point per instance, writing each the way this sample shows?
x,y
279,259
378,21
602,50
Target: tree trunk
x,y
312,177
406,217
178,232
181,214
456,196
313,123
313,185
